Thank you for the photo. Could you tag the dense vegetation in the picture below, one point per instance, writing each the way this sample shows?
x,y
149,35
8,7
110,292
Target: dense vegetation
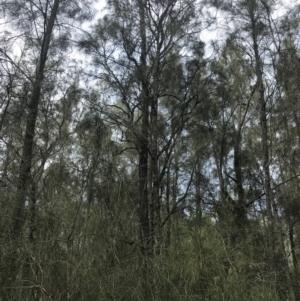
x,y
143,159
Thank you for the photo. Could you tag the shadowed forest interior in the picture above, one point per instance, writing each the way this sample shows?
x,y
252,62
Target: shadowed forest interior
x,y
149,150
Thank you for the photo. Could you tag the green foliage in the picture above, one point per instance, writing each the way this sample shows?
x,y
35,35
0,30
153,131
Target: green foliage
x,y
211,234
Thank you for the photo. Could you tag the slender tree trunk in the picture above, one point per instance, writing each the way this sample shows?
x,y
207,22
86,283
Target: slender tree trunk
x,y
144,138
198,193
237,168
156,235
292,244
264,133
28,268
174,222
168,230
69,248
241,215
27,154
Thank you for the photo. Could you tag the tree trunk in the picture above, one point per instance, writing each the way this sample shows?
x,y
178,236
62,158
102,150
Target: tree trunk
x,y
156,235
168,230
144,139
27,154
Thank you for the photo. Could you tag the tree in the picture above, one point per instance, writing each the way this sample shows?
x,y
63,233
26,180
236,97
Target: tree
x,y
134,47
36,23
259,33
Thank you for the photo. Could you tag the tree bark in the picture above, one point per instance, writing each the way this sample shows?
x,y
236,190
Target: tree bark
x,y
144,138
156,181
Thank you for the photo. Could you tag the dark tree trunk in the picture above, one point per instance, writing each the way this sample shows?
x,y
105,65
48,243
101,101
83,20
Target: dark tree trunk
x,y
144,139
27,154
